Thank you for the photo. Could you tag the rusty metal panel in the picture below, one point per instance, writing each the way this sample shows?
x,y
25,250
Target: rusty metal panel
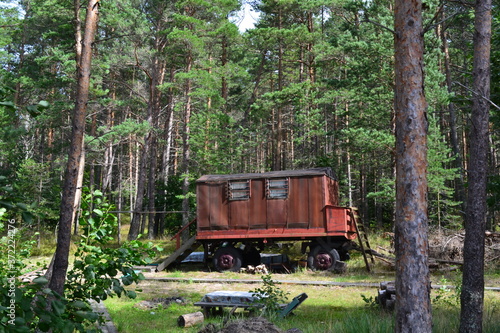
x,y
238,214
332,192
257,205
283,233
298,213
203,207
316,203
302,206
218,211
337,218
212,206
277,213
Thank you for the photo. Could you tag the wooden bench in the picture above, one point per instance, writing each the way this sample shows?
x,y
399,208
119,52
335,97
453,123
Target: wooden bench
x,y
214,303
214,308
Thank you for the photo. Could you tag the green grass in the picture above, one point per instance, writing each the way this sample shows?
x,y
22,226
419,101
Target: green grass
x,y
128,318
327,309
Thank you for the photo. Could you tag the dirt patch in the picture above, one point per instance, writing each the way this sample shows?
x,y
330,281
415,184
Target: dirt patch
x,y
251,325
163,301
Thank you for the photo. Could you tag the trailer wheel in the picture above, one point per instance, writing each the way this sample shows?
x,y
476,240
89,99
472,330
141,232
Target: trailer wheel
x,y
227,259
252,257
321,259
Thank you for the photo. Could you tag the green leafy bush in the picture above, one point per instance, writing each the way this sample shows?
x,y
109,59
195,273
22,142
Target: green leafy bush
x,y
269,296
99,271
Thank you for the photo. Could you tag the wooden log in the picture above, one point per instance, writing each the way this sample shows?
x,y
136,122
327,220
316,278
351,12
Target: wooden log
x,y
389,286
190,319
387,295
451,262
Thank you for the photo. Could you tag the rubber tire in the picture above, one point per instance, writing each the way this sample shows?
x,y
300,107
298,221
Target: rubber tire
x,y
227,259
320,259
252,257
345,256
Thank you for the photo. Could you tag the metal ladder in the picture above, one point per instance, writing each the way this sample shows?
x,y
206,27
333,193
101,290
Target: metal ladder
x,y
364,244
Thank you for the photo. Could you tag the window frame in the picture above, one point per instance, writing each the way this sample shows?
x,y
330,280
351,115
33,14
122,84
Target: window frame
x,y
278,191
242,193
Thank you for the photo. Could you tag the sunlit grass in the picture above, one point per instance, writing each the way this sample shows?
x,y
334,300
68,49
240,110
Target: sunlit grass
x,y
327,309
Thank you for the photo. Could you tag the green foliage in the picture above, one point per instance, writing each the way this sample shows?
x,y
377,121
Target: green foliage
x,y
117,133
34,184
370,301
171,201
14,249
442,208
99,271
313,77
448,296
33,307
11,205
30,307
270,296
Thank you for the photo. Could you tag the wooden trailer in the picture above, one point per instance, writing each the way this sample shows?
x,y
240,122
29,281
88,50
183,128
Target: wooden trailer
x,y
239,215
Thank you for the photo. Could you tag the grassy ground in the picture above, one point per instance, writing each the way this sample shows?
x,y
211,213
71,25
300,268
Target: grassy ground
x,y
327,309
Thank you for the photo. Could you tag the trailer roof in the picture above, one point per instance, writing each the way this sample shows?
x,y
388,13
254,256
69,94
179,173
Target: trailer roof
x,y
271,174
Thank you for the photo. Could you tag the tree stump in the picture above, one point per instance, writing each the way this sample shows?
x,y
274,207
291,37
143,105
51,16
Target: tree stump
x,y
190,319
387,295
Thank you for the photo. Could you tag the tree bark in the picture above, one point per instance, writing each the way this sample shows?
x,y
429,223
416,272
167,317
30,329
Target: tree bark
x,y
135,223
190,319
58,277
413,308
472,296
186,149
158,77
78,192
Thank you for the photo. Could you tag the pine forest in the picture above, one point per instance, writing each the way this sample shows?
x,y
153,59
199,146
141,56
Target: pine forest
x,y
184,88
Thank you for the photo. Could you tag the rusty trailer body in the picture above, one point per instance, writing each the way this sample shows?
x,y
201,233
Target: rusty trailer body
x,y
282,204
239,215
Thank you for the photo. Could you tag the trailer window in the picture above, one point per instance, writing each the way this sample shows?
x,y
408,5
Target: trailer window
x,y
277,188
239,190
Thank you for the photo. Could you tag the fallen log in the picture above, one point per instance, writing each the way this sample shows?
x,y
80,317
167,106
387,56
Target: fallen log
x,y
392,263
451,262
190,319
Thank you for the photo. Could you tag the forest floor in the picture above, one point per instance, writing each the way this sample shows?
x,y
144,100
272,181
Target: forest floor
x,y
187,280
445,263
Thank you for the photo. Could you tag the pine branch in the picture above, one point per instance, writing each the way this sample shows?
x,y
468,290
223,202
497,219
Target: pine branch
x,y
477,94
366,19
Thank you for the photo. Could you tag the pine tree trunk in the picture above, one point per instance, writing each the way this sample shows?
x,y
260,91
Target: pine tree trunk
x,y
78,193
119,200
413,308
472,296
186,151
135,223
60,267
158,76
152,189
